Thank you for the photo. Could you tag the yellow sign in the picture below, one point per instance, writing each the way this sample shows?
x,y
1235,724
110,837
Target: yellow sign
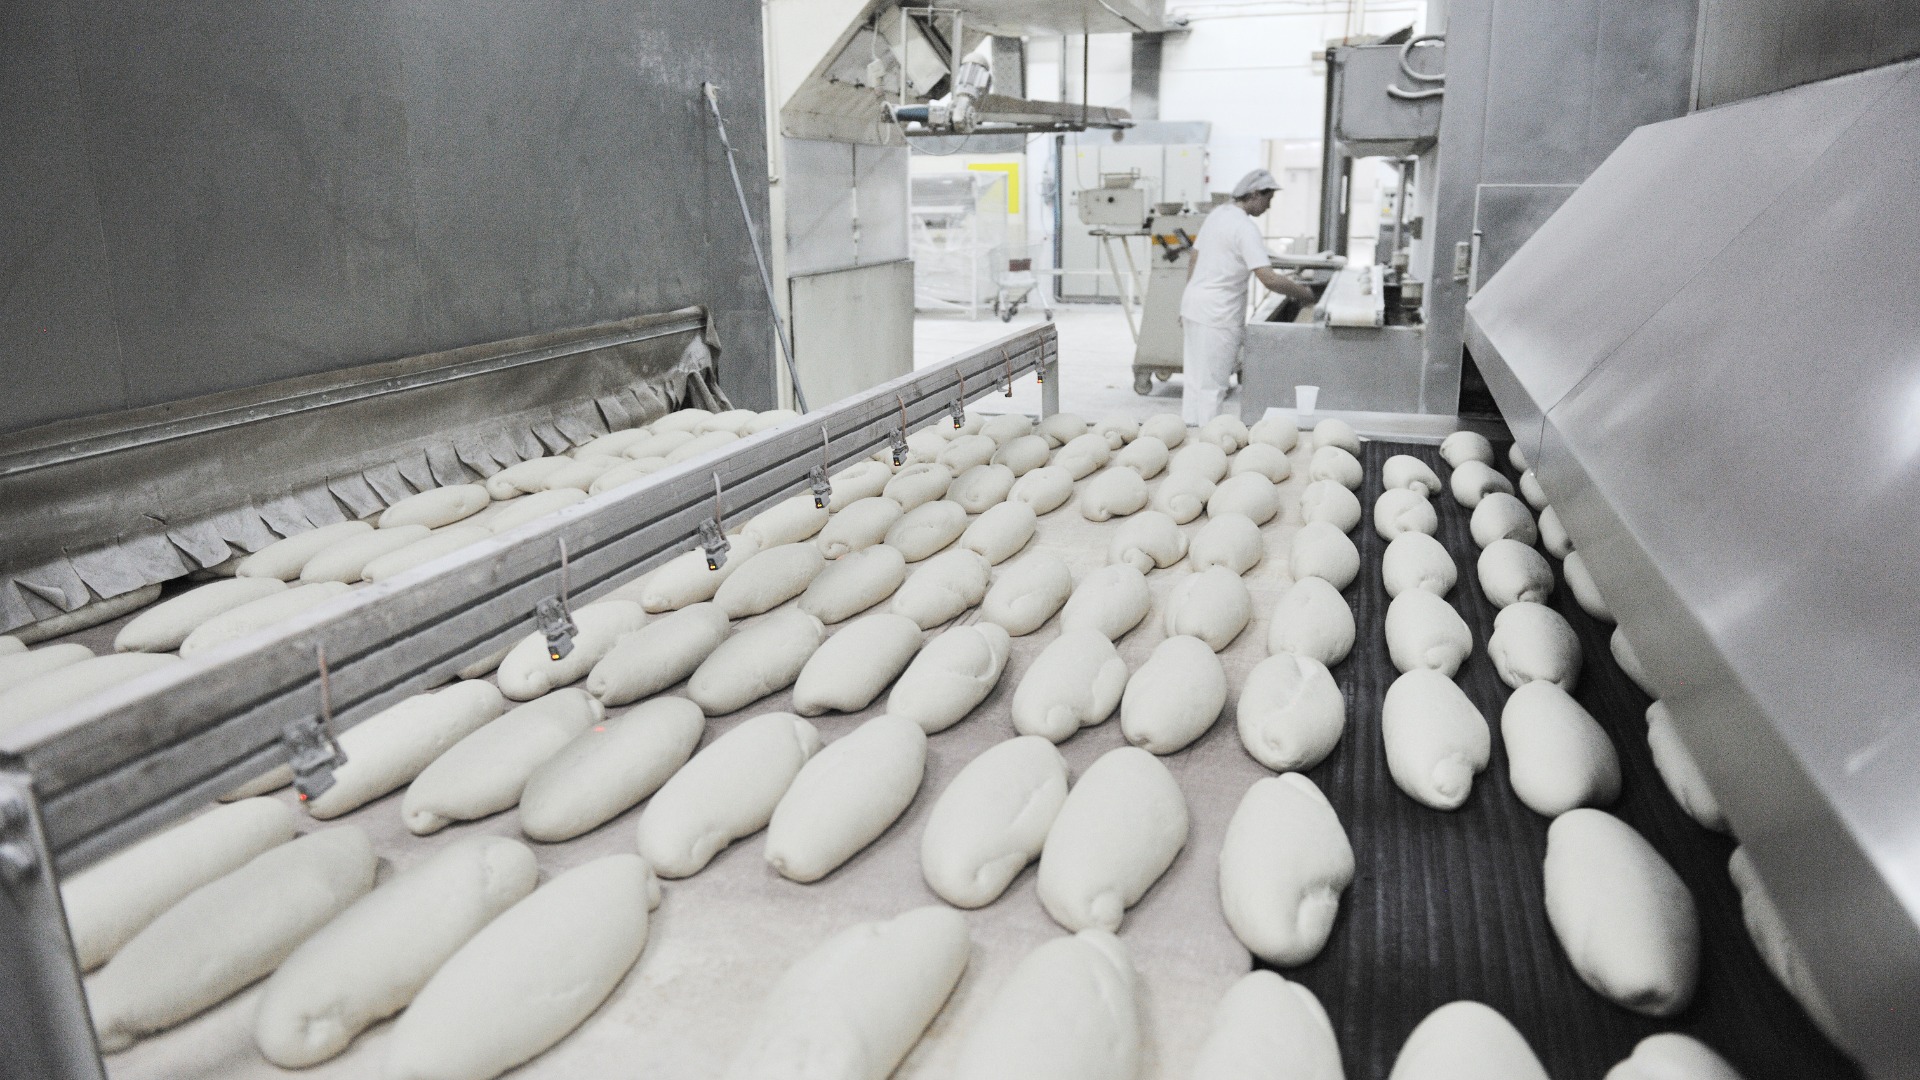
x,y
1012,169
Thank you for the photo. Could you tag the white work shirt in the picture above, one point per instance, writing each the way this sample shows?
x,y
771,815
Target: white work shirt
x,y
1226,252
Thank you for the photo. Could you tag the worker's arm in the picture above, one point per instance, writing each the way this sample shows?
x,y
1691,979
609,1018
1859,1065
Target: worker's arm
x,y
1282,284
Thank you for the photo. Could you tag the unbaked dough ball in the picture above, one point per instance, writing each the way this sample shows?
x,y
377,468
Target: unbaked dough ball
x,y
1023,455
924,446
769,579
686,580
1083,456
1001,532
918,484
1113,493
853,584
1312,619
437,506
1005,428
770,419
388,749
1629,661
1075,682
1322,550
845,796
927,529
1531,490
1585,592
1267,1028
965,452
1400,510
347,560
861,524
284,559
1231,540
17,668
608,769
1335,464
687,420
1415,560
666,650
1407,471
1424,631
1182,496
787,522
1118,831
164,626
1147,541
1167,427
1516,457
1202,459
951,674
442,541
1553,535
1062,428
1250,495
1284,862
974,424
1066,1013
580,475
1261,458
1279,432
1028,593
1145,455
1109,601
981,487
1226,431
1500,516
485,772
1670,1055
1533,642
1212,605
1046,489
1776,946
1334,431
764,657
1472,480
1558,757
529,476
1331,502
1625,919
992,820
702,445
618,476
1291,713
1175,696
726,792
1679,772
1117,430
942,587
1465,1040
850,669
1464,446
250,617
529,670
1511,572
1436,739
861,480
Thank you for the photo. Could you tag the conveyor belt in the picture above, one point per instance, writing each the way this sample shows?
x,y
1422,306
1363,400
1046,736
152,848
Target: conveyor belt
x,y
1451,905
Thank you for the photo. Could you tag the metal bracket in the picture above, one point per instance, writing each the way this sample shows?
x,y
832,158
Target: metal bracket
x,y
817,476
554,616
713,533
899,436
1006,376
311,749
958,410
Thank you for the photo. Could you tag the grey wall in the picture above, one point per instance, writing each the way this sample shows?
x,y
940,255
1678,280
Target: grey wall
x,y
1539,92
195,198
1750,47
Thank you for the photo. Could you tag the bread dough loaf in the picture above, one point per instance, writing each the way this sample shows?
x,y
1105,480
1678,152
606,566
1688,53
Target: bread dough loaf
x,y
609,768
1500,516
1331,502
854,1007
1114,493
861,480
1075,682
853,666
1212,605
702,445
1585,592
1291,713
1553,535
942,587
529,671
1473,480
1625,919
763,658
845,796
1323,551
918,484
770,419
1424,631
1532,641
1200,458
1465,1040
974,424
21,667
1147,541
1401,510
485,772
532,508
1409,472
1417,561
665,651
726,792
1046,489
47,694
1679,772
1110,601
927,529
1117,430
964,452
1231,540
1335,464
981,487
257,615
1263,459
1175,696
1530,488
739,421
348,559
1118,831
851,585
88,615
770,578
1267,1028
529,977
164,626
685,580
1028,593
860,525
1001,532
1182,496
613,444
1084,455
950,675
1167,427
1670,1055
1249,494
227,933
1334,431
1629,661
1023,454
1226,431
1312,619
1062,428
1005,428
992,820
1776,946
1436,739
657,444
687,420
1283,865
109,903
1066,1013
1516,457
437,507
925,445
387,750
1558,757
1280,432
442,541
787,522
1511,572
368,963
1145,455
1463,446
284,559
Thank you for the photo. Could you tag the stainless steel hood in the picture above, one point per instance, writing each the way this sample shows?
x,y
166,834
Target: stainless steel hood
x,y
1711,354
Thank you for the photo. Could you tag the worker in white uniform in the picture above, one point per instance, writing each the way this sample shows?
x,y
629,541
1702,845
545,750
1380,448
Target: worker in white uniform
x,y
1213,311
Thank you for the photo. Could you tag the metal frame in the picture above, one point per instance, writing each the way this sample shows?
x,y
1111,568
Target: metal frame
x,y
76,786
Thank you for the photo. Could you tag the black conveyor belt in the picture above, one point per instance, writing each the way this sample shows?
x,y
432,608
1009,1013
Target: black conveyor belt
x,y
1451,905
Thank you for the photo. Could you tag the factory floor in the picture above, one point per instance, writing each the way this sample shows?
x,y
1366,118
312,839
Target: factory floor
x,y
1096,360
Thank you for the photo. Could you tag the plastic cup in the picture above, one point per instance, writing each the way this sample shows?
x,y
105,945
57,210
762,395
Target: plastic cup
x,y
1304,400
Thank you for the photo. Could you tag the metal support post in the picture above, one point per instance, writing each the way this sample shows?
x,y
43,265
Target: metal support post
x,y
48,1031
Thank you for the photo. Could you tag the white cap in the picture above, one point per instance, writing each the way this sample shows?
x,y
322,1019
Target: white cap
x,y
1257,180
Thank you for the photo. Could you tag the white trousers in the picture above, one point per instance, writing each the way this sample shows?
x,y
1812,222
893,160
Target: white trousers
x,y
1210,355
